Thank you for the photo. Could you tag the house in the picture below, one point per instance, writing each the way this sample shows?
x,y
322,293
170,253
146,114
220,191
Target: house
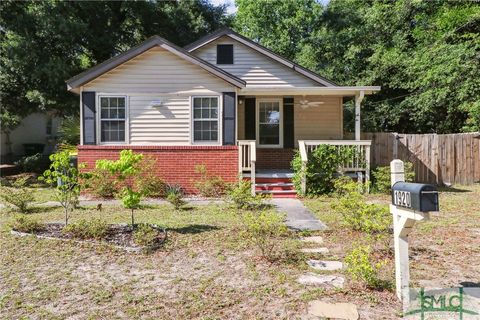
x,y
223,101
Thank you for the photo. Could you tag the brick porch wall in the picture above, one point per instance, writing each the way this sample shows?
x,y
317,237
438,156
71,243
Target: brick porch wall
x,y
174,164
274,158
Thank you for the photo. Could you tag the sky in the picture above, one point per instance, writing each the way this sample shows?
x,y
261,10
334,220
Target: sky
x,y
231,4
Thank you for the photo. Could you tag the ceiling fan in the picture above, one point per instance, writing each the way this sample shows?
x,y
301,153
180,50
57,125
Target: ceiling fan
x,y
304,103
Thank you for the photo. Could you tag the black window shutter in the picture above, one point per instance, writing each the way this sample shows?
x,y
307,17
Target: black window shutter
x,y
288,126
88,121
250,114
229,118
225,54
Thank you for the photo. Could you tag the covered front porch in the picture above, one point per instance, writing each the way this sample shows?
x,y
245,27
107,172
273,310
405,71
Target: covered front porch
x,y
273,124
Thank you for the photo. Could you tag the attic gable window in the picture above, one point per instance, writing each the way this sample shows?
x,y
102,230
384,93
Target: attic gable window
x,y
225,54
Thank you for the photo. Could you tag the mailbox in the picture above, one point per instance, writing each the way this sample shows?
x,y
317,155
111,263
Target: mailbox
x,y
415,196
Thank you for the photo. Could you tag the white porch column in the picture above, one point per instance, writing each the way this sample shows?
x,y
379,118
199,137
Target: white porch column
x,y
358,100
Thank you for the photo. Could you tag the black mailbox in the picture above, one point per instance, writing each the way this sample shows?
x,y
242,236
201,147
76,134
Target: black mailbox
x,y
415,196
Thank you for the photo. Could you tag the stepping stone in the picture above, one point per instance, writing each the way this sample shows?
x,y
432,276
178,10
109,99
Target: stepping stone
x,y
315,239
315,250
346,311
325,265
312,279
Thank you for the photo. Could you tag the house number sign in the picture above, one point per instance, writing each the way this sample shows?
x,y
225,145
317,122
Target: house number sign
x,y
402,198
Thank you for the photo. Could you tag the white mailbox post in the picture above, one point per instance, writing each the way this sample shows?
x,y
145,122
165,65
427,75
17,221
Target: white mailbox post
x,y
411,202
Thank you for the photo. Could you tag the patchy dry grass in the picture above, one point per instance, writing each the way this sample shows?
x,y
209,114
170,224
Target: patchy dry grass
x,y
444,252
205,271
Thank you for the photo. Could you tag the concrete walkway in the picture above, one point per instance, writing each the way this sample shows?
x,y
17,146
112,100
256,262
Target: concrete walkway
x,y
298,216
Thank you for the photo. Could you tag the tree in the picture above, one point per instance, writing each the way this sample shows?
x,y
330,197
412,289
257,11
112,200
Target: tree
x,y
8,123
125,169
63,174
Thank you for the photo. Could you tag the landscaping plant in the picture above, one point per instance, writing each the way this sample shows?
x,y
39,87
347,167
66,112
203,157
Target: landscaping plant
x,y
102,183
359,215
145,235
125,168
209,185
322,168
362,266
17,194
34,163
26,224
147,182
241,196
87,229
265,230
382,177
64,176
175,196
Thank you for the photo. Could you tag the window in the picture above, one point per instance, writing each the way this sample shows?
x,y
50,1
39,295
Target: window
x,y
112,119
269,123
205,119
225,54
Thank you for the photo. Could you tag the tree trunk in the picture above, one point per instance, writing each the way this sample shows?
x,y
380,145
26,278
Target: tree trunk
x,y
133,221
66,216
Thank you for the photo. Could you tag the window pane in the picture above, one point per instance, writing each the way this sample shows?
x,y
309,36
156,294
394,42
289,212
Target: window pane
x,y
269,134
104,102
112,131
214,112
197,112
104,113
205,113
197,102
121,103
113,102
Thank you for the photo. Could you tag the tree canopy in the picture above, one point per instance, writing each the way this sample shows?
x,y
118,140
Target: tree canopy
x,y
424,54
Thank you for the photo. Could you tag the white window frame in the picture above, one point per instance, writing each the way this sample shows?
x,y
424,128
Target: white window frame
x,y
280,124
220,122
99,119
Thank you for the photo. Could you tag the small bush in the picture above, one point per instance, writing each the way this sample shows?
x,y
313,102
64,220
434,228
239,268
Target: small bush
x,y
26,224
147,182
34,163
102,184
362,266
359,215
87,229
175,196
264,229
207,185
322,167
241,196
18,195
145,235
382,178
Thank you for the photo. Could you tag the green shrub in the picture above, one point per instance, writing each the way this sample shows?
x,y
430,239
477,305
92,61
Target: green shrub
x,y
361,266
34,163
241,196
145,235
322,168
382,178
265,230
345,185
175,196
207,185
147,182
87,229
18,195
359,215
102,184
26,224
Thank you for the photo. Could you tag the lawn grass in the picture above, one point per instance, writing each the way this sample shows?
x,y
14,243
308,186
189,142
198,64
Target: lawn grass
x,y
207,270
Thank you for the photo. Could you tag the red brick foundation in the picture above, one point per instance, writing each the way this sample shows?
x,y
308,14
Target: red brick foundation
x,y
174,164
274,158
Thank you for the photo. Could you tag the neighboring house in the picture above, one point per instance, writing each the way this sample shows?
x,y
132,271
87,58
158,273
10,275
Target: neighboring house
x,y
37,132
223,101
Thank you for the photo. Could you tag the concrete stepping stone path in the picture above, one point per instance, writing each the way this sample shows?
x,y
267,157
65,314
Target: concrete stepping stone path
x,y
325,265
312,239
313,279
315,250
345,311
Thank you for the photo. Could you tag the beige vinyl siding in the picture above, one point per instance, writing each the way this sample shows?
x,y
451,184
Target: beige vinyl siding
x,y
255,68
323,122
159,75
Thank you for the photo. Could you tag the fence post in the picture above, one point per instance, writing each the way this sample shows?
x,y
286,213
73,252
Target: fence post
x,y
395,145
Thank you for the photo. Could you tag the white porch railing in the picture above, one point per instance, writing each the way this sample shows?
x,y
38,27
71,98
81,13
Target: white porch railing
x,y
359,161
247,156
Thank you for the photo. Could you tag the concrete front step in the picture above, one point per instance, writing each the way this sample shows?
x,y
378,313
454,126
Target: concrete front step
x,y
325,265
345,311
328,281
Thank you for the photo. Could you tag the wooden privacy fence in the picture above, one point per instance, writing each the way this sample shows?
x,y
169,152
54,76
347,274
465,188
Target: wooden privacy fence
x,y
437,158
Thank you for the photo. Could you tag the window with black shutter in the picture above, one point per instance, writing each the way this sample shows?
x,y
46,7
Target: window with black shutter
x,y
225,54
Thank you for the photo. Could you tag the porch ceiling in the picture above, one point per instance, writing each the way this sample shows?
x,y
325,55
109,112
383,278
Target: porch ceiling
x,y
324,91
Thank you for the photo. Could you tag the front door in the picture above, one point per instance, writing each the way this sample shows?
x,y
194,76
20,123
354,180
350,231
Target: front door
x,y
269,130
